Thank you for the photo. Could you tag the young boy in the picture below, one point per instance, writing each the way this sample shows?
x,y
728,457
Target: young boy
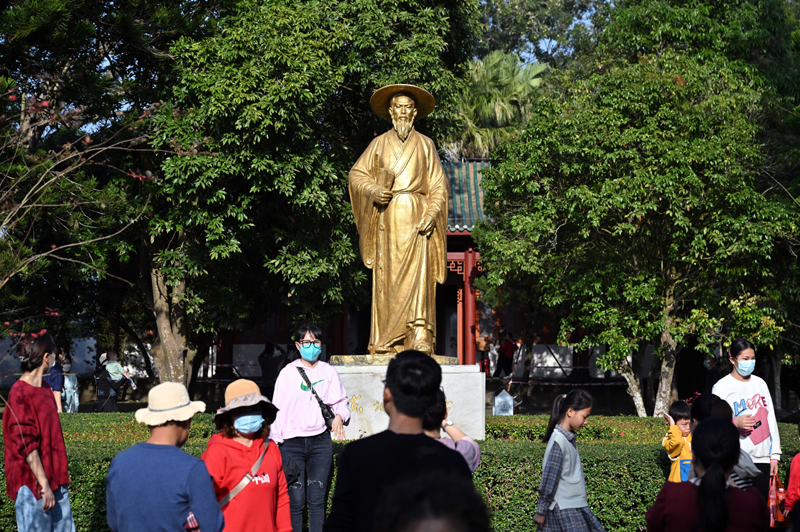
x,y
678,441
793,486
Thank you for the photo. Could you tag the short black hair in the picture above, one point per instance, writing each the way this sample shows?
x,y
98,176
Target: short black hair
x,y
413,378
680,410
301,332
434,415
432,496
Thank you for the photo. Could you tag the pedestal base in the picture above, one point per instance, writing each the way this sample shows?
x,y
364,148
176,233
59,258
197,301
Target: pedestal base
x,y
464,387
381,360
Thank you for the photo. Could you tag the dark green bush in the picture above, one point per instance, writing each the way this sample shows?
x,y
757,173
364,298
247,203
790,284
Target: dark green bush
x,y
600,428
622,478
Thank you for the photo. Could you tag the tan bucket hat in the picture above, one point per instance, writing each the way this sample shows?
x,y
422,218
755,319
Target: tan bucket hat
x,y
244,392
169,401
423,100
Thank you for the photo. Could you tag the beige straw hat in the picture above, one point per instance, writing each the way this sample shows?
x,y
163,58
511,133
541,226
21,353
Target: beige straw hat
x,y
423,100
243,393
169,401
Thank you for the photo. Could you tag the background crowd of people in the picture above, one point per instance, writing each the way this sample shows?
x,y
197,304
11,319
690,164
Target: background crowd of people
x,y
270,460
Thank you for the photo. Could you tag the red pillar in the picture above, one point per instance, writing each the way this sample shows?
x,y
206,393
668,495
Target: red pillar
x,y
469,308
460,327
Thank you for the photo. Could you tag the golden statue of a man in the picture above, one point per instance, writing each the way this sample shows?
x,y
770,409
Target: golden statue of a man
x,y
399,195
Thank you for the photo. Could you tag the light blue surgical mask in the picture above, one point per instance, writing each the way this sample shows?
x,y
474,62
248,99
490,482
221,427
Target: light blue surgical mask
x,y
310,352
746,367
706,363
249,423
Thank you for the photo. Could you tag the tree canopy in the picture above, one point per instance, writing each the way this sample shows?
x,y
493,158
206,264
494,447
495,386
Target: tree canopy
x,y
636,203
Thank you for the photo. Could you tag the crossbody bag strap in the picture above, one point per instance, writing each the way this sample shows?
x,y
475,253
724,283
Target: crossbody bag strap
x,y
308,382
245,481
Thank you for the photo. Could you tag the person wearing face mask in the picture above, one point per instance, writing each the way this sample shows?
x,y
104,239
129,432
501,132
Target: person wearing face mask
x,y
713,376
70,395
246,467
54,377
753,412
300,427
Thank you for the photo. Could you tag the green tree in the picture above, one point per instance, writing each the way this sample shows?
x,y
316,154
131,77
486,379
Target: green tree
x,y
549,32
495,103
631,203
266,118
77,67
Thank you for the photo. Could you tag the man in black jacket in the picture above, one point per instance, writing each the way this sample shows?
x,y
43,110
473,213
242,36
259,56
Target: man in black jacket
x,y
403,452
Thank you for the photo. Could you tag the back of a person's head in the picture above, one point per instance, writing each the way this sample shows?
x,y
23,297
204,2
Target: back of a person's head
x,y
680,410
413,378
434,415
33,348
701,407
432,501
715,446
721,409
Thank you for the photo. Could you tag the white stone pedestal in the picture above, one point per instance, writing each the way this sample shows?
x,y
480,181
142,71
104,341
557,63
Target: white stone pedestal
x,y
464,387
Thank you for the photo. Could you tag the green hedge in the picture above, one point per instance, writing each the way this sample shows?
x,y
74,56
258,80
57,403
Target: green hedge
x,y
622,478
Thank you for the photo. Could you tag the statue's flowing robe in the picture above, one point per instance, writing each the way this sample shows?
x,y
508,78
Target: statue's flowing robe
x,y
405,264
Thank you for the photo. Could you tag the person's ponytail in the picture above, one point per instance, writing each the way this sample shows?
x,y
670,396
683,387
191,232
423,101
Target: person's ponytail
x,y
576,399
555,417
711,495
715,445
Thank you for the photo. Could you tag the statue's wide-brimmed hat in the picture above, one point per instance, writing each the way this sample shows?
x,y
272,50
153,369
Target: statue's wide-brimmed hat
x,y
423,100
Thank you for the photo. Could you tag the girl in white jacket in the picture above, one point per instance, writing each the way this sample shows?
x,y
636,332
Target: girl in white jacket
x,y
753,412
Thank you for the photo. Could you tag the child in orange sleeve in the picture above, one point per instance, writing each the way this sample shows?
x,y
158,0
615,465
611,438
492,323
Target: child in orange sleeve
x,y
678,441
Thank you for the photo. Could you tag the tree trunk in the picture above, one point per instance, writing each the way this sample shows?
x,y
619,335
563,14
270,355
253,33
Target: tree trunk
x,y
669,351
167,310
634,389
775,359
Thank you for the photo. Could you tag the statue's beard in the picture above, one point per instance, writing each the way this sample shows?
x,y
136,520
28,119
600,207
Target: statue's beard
x,y
403,127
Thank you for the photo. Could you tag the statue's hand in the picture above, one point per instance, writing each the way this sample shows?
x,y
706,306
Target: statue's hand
x,y
381,196
426,225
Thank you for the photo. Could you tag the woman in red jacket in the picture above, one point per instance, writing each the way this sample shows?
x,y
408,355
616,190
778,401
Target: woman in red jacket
x,y
262,504
35,455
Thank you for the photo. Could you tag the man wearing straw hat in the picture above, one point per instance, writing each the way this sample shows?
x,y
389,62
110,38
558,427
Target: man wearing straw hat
x,y
399,195
156,486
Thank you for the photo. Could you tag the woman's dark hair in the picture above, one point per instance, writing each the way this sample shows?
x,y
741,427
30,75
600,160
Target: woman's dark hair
x,y
721,409
32,350
739,345
715,445
408,505
707,406
432,420
680,410
701,407
301,332
576,399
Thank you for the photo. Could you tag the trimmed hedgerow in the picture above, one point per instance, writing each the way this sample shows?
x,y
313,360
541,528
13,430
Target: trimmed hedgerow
x,y
622,479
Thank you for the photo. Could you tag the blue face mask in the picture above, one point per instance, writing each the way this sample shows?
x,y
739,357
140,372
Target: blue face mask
x,y
249,423
705,363
746,367
310,352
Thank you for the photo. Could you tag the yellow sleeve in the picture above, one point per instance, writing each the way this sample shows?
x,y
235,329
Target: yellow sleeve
x,y
674,442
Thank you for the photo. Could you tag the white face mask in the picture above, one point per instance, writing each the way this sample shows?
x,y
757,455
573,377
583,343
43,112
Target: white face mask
x,y
66,367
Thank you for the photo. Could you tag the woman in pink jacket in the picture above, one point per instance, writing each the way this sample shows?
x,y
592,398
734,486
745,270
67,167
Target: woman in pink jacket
x,y
300,427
